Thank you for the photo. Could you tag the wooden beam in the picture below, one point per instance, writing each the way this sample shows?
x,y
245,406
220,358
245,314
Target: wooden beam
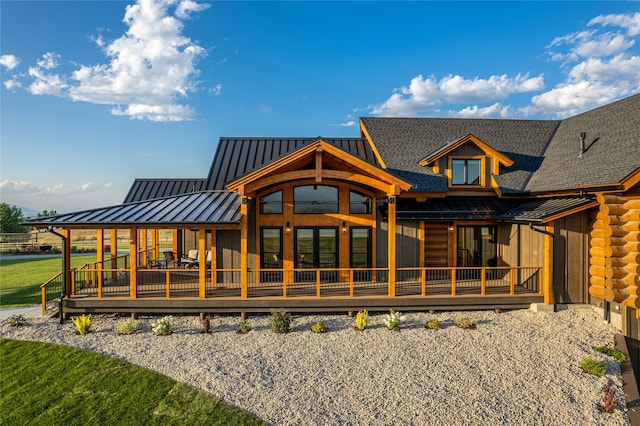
x,y
67,260
202,264
391,245
113,245
144,248
244,232
214,256
133,263
547,282
319,164
100,259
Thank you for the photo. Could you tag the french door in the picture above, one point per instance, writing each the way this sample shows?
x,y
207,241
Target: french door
x,y
316,248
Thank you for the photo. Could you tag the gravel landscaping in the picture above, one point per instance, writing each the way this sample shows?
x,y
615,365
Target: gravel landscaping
x,y
517,367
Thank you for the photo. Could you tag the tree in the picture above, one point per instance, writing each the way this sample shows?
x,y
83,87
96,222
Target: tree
x,y
10,219
45,213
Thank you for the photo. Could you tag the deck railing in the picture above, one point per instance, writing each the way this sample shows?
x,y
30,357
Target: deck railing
x,y
51,290
342,282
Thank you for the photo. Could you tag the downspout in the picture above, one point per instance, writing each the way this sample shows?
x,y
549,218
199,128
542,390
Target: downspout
x,y
64,272
553,265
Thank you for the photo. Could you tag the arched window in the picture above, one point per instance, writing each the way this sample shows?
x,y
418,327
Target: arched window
x,y
359,203
315,199
271,203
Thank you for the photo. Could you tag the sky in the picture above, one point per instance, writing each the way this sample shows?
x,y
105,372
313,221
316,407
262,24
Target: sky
x,y
97,93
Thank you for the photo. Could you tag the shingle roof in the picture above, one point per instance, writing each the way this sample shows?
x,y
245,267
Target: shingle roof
x,y
199,208
613,149
402,142
236,157
148,189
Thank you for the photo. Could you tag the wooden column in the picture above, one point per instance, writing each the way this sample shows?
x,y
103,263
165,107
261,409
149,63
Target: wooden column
x,y
133,263
175,244
214,257
547,282
144,247
391,240
113,243
100,259
155,252
67,260
202,264
244,223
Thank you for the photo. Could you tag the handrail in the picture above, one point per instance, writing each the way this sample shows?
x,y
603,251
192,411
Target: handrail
x,y
45,286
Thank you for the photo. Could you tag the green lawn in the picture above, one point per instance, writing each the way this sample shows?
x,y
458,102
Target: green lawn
x,y
55,385
20,279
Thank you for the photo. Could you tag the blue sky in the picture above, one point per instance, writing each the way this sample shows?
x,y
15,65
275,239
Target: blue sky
x,y
95,94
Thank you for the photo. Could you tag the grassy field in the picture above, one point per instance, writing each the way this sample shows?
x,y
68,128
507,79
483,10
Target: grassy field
x,y
48,384
20,279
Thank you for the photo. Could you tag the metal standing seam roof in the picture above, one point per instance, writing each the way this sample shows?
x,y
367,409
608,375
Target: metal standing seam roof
x,y
148,189
199,208
237,157
537,211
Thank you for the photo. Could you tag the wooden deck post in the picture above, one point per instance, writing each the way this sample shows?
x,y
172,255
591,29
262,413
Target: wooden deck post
x,y
67,260
155,253
100,259
214,257
133,263
391,239
548,276
244,223
144,247
202,265
113,245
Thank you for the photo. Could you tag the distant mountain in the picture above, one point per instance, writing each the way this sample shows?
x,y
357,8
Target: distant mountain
x,y
27,212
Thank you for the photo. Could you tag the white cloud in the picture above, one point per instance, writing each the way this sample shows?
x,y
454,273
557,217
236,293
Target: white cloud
x,y
9,61
599,63
216,90
151,68
426,95
9,187
12,84
350,123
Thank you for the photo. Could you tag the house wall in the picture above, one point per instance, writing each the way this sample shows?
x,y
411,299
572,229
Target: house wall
x,y
408,244
570,258
381,241
519,245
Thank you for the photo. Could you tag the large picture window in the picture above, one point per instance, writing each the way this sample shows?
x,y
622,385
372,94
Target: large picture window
x,y
271,203
465,171
315,199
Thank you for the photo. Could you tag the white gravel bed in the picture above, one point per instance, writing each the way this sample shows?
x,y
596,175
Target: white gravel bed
x,y
518,367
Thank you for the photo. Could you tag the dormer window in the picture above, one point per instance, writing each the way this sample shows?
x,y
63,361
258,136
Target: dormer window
x,y
466,171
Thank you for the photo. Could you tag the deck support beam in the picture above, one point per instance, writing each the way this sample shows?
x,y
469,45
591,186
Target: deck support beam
x,y
202,264
66,253
391,244
244,232
100,259
133,263
547,274
113,245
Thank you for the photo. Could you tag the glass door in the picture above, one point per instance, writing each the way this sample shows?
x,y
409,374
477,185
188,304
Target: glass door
x,y
271,256
476,246
360,252
316,247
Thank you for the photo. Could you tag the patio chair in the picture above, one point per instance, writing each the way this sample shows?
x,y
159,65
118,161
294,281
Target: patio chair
x,y
190,260
169,259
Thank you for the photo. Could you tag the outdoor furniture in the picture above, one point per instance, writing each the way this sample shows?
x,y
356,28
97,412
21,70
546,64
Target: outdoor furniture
x,y
190,260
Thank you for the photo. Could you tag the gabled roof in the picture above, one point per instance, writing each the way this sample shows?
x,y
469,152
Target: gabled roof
x,y
447,148
317,155
612,149
199,208
236,157
402,142
148,189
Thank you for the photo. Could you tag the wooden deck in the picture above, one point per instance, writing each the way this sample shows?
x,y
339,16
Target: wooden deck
x,y
178,291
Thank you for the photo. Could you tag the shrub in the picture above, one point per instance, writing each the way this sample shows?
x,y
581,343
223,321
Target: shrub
x,y
83,323
393,319
362,320
16,321
319,327
611,352
433,324
129,326
591,366
280,321
609,399
243,327
162,327
466,323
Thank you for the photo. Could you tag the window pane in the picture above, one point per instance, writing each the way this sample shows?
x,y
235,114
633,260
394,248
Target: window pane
x,y
272,203
359,204
457,172
360,247
315,199
271,246
473,172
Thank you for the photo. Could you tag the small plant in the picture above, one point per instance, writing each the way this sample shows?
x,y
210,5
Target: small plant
x,y
162,327
611,352
591,366
16,321
206,324
129,326
243,327
465,323
362,320
393,319
83,323
609,398
433,324
319,327
280,321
